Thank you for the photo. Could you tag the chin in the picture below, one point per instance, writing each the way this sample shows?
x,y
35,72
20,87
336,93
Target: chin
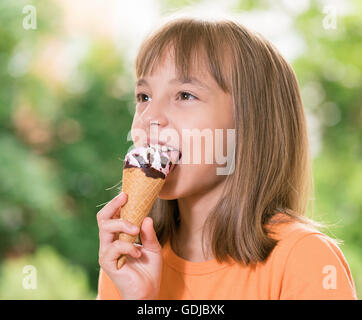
x,y
168,193
167,197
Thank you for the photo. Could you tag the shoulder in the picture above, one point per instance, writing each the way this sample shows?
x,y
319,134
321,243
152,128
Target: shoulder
x,y
314,267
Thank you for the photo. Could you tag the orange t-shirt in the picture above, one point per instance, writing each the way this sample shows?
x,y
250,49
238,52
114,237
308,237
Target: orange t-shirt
x,y
305,264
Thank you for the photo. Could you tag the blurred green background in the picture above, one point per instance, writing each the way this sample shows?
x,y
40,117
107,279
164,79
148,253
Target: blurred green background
x,y
66,106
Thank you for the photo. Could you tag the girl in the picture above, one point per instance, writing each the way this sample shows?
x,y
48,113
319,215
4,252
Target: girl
x,y
235,236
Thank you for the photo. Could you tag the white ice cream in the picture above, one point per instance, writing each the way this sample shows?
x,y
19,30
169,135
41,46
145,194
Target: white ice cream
x,y
157,159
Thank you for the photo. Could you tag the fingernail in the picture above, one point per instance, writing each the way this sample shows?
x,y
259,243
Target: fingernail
x,y
119,197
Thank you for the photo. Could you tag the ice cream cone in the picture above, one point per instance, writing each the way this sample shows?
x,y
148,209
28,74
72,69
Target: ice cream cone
x,y
144,172
142,192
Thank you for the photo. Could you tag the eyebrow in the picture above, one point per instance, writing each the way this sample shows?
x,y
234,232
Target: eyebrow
x,y
191,80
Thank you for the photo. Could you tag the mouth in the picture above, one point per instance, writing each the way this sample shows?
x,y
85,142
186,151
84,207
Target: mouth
x,y
172,152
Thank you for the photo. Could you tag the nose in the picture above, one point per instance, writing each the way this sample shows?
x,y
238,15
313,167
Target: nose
x,y
155,111
154,117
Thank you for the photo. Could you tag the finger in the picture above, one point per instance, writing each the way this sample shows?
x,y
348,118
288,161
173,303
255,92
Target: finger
x,y
148,236
115,250
112,207
118,225
108,229
117,215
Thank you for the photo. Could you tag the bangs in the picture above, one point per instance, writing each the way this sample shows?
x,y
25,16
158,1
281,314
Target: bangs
x,y
195,47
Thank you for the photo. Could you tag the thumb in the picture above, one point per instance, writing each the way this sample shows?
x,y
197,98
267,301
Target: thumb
x,y
148,236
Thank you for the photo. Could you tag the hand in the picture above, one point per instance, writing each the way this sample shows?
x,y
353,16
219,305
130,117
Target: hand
x,y
140,276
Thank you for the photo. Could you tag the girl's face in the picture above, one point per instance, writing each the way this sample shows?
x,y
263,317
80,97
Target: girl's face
x,y
177,105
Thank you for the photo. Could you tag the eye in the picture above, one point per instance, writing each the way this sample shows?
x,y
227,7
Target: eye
x,y
141,97
186,96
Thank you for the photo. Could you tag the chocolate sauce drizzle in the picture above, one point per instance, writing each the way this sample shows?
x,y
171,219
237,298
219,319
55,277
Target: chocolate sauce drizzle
x,y
146,167
148,170
164,161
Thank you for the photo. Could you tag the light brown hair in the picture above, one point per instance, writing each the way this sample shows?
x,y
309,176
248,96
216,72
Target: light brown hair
x,y
273,172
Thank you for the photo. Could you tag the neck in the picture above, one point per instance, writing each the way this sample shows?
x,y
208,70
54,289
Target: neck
x,y
194,210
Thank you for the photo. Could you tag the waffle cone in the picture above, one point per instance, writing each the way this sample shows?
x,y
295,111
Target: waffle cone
x,y
142,192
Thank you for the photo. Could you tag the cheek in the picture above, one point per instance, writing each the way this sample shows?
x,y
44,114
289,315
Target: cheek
x,y
207,146
138,133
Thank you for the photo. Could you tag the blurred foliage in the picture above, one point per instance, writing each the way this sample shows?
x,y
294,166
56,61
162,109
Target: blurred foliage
x,y
66,106
329,73
45,275
61,140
